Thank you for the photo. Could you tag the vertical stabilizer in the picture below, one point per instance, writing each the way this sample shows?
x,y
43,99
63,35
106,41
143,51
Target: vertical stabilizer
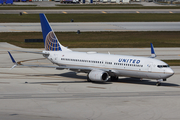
x,y
51,42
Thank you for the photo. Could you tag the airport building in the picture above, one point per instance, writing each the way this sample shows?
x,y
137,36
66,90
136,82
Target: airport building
x,y
78,1
88,1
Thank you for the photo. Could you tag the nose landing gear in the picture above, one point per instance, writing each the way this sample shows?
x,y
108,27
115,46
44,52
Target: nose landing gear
x,y
159,82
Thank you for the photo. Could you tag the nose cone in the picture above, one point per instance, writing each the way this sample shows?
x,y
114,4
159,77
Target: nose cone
x,y
170,72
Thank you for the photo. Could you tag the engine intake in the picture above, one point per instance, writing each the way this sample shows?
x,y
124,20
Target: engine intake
x,y
98,76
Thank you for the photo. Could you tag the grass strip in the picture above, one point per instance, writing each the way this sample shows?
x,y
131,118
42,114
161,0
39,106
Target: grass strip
x,y
86,7
12,5
98,39
144,17
172,62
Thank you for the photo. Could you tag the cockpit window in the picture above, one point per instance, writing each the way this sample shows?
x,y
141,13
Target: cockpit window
x,y
162,66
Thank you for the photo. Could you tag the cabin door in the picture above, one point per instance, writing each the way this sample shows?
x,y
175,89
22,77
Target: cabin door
x,y
55,57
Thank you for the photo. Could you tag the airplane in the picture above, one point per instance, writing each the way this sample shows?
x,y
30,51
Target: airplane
x,y
99,67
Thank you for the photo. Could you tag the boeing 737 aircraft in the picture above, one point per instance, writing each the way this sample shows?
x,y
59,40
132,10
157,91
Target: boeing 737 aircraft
x,y
99,67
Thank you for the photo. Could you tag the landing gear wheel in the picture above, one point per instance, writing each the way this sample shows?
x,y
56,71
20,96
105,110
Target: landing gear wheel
x,y
158,84
114,78
88,78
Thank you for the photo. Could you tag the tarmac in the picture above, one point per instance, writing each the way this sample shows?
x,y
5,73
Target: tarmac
x,y
85,11
92,26
40,93
90,11
49,94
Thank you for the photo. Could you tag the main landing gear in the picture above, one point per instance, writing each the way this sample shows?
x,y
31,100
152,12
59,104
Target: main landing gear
x,y
88,78
114,78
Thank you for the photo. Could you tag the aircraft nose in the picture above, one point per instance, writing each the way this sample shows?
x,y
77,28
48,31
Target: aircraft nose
x,y
171,72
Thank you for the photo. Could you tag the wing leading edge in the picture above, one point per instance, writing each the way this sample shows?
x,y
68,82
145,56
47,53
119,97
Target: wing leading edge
x,y
32,52
73,68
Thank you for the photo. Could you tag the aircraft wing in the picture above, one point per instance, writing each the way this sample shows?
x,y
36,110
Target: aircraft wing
x,y
73,68
60,67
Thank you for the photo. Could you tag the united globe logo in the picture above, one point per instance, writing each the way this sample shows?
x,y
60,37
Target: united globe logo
x,y
51,43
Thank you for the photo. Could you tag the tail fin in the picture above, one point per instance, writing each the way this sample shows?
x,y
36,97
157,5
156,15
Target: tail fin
x,y
51,42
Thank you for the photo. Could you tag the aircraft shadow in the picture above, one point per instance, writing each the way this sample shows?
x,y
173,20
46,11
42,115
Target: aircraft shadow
x,y
57,82
67,75
74,75
144,82
120,80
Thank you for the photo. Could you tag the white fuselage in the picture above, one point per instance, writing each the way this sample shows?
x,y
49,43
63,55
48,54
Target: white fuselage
x,y
120,65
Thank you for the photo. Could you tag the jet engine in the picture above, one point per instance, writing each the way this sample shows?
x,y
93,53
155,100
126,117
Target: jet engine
x,y
98,76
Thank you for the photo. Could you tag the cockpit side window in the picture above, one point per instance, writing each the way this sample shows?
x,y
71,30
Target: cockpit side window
x,y
162,66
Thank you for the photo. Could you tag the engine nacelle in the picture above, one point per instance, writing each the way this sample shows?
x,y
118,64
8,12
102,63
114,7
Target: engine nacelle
x,y
98,75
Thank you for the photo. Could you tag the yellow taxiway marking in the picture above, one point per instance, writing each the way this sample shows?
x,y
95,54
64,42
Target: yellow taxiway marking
x,y
25,12
64,12
15,30
103,12
170,12
137,12
116,30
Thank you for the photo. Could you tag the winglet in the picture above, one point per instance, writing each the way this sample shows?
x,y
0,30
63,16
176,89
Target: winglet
x,y
15,63
12,58
153,54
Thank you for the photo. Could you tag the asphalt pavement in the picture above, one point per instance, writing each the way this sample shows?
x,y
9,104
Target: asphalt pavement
x,y
92,26
46,94
89,11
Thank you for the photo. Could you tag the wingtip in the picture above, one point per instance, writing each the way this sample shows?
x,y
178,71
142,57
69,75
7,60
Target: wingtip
x,y
152,49
12,58
153,55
